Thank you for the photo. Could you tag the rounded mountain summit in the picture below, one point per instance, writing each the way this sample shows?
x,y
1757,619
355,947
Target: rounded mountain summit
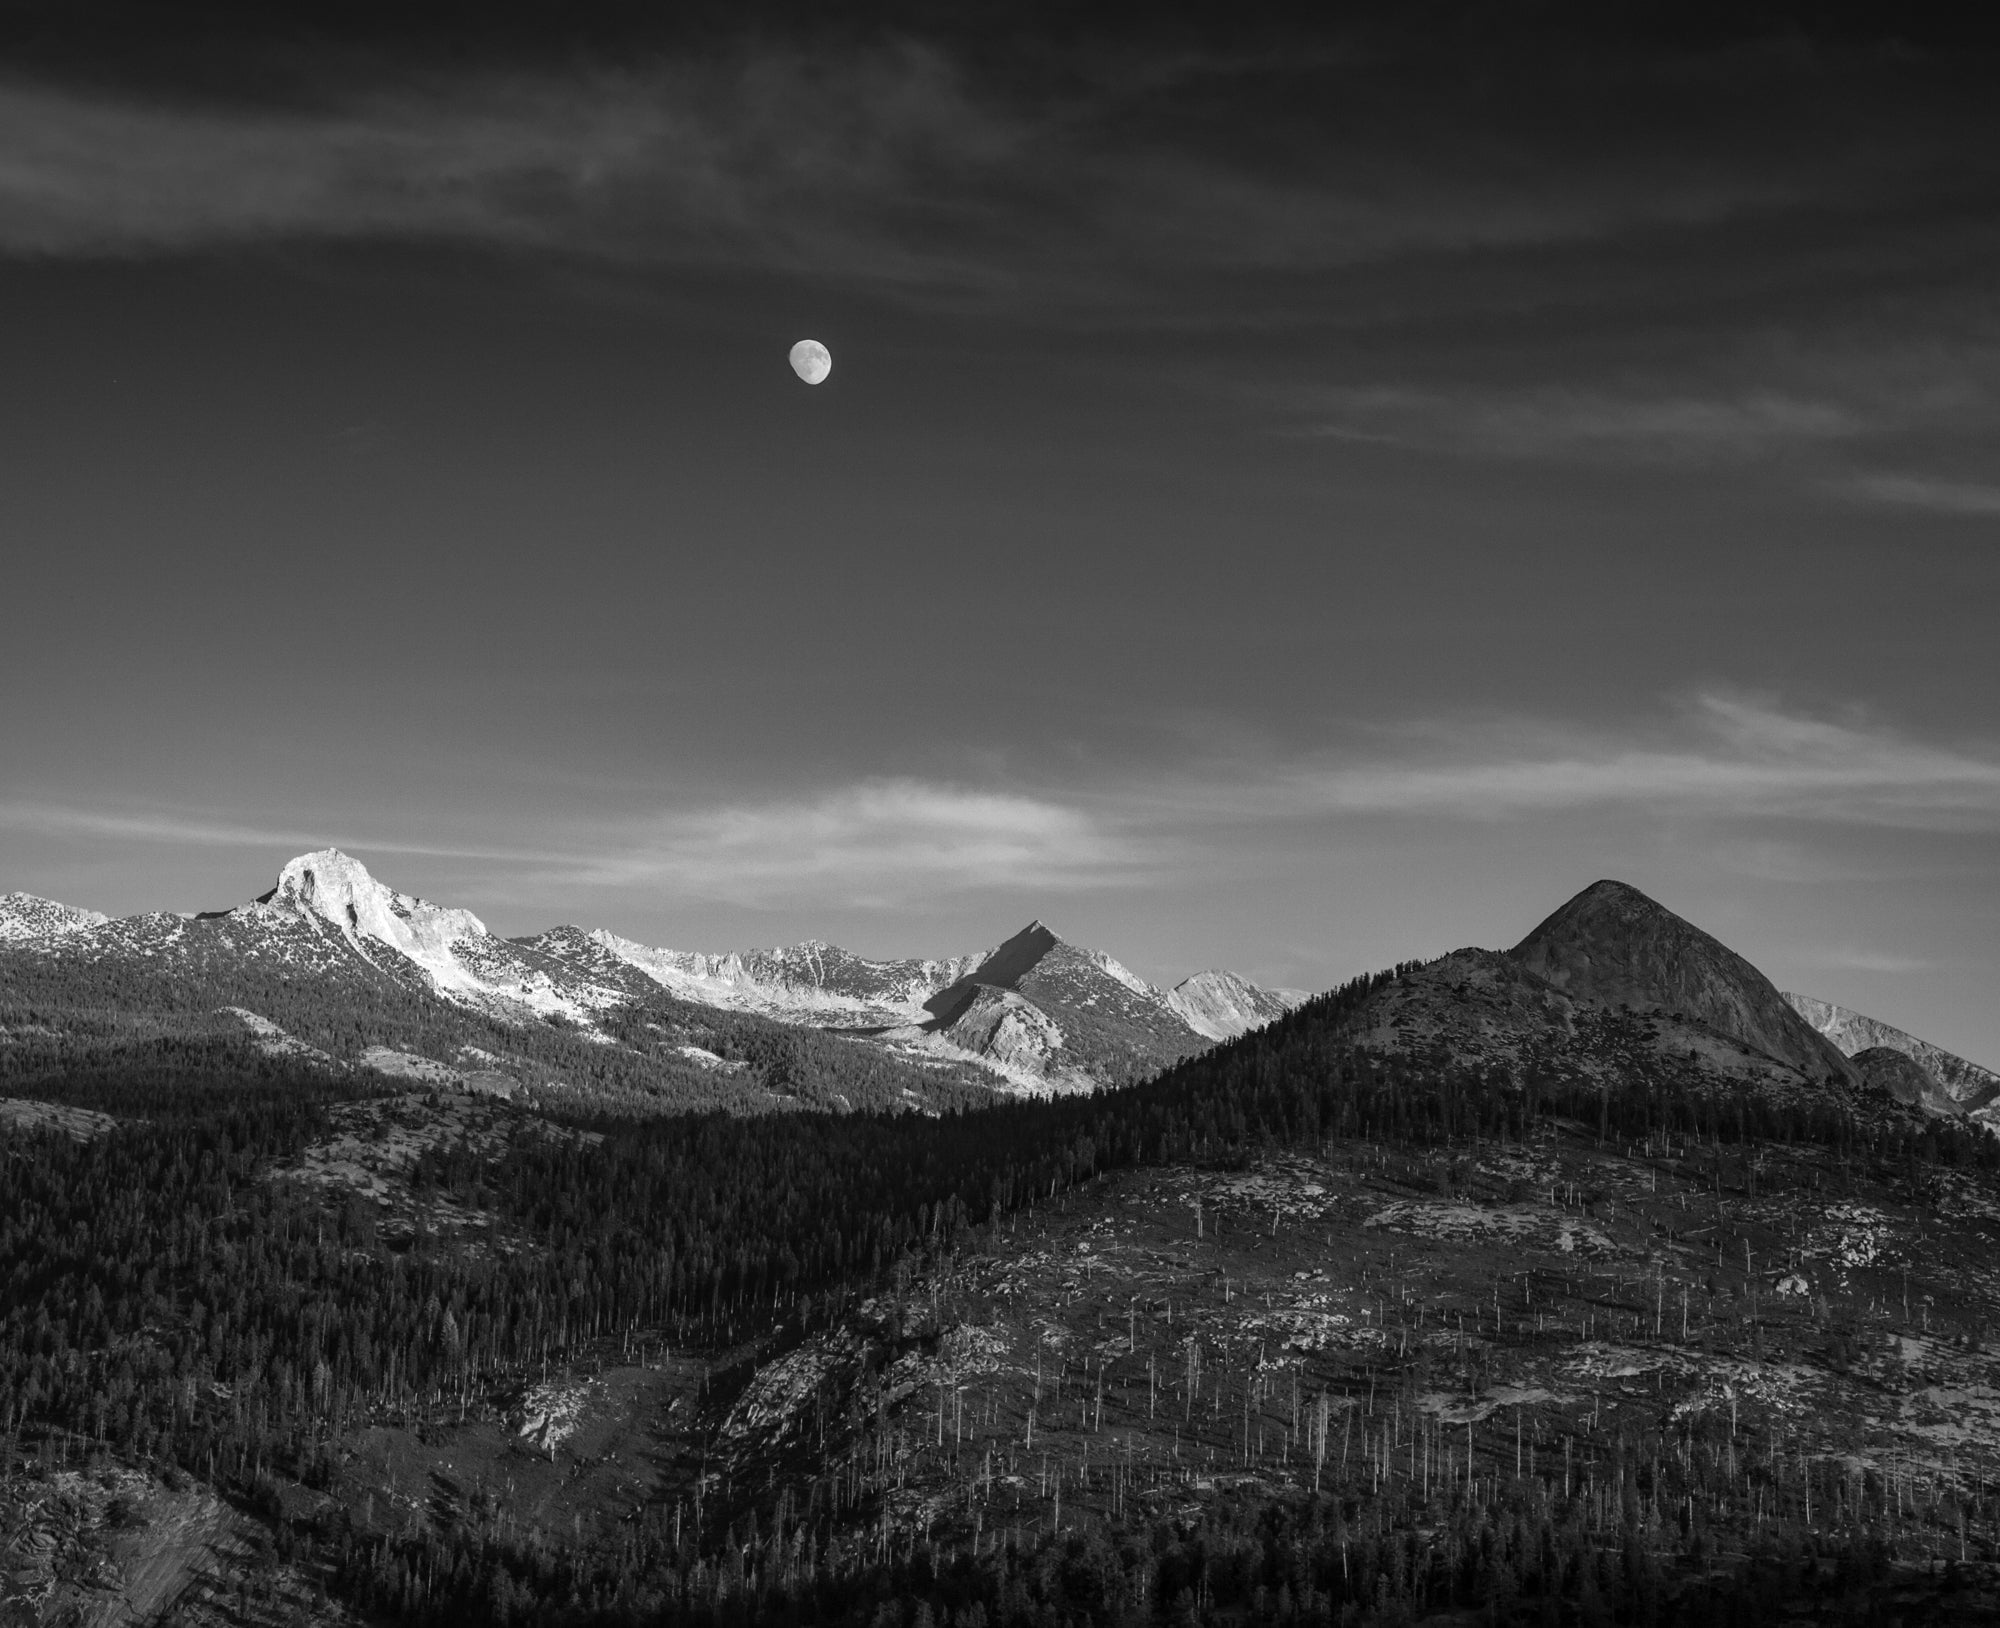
x,y
1613,945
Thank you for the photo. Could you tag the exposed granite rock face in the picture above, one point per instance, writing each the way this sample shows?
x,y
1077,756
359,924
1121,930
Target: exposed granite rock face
x,y
1614,946
338,889
1968,1084
812,982
1222,1006
1110,1022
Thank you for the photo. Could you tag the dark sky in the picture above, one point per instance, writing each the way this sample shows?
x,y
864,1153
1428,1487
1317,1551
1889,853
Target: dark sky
x,y
1286,501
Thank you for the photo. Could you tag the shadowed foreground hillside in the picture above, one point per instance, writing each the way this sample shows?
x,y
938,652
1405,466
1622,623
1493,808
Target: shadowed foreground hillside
x,y
1448,1296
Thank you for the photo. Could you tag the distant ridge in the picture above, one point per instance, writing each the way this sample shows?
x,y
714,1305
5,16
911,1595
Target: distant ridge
x,y
1222,1006
1966,1083
27,916
1036,1013
1042,1005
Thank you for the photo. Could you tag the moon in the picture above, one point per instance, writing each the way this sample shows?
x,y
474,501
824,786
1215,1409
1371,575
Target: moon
x,y
811,360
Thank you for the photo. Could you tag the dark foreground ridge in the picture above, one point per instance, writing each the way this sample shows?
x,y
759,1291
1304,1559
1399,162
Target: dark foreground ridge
x,y
1542,1313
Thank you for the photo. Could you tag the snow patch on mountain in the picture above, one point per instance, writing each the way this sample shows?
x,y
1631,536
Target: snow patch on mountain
x,y
25,916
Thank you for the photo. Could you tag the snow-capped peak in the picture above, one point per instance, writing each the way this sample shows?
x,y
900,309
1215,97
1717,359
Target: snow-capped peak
x,y
25,916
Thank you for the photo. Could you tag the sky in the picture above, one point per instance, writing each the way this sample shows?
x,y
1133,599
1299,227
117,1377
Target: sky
x,y
1286,501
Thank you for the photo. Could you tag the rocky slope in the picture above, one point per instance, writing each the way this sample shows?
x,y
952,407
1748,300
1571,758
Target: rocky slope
x,y
1613,946
1610,987
1041,1006
1967,1084
812,982
1902,1078
24,916
1221,1006
1034,1014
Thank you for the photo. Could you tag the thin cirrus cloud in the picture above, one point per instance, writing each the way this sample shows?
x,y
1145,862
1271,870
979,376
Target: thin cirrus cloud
x,y
896,842
1563,422
1724,757
781,160
884,164
180,827
894,162
889,842
878,842
1969,498
1848,959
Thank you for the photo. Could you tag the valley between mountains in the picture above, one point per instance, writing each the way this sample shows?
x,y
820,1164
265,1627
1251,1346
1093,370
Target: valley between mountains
x,y
364,1266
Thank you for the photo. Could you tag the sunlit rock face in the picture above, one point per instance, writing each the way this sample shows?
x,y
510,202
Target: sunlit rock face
x,y
338,889
1036,1012
811,982
1967,1083
1221,1005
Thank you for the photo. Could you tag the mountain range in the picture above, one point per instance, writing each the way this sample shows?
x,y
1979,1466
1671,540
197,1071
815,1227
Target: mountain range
x,y
1033,1014
1610,982
1646,1286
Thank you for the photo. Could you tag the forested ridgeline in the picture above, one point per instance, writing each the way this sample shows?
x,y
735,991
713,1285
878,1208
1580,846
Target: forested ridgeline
x,y
149,1264
1507,1552
165,1297
110,1035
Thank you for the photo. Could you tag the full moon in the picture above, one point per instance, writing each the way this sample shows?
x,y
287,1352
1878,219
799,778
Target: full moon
x,y
811,360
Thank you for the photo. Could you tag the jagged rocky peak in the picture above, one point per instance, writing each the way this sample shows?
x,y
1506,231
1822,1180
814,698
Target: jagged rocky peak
x,y
25,915
1038,963
1014,958
338,889
1221,1005
1613,945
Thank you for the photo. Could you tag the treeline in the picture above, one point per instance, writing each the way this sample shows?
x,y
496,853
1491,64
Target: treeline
x,y
108,1034
161,1293
161,1255
1646,1544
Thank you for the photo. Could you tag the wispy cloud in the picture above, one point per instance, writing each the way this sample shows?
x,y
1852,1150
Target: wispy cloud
x,y
891,842
904,163
196,829
1727,757
874,843
1922,492
1840,958
779,159
1669,426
